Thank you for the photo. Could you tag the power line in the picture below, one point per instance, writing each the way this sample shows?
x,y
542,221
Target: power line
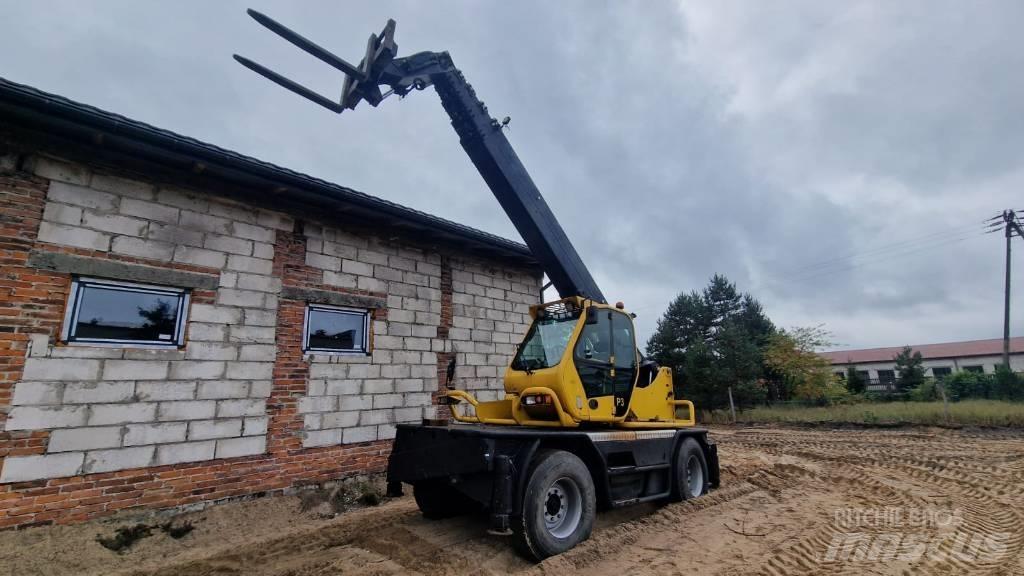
x,y
900,245
880,258
907,247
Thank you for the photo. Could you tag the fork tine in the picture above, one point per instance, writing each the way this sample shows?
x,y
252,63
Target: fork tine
x,y
289,84
306,45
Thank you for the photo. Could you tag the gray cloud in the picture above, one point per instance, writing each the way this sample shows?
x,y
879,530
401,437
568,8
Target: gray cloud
x,y
672,140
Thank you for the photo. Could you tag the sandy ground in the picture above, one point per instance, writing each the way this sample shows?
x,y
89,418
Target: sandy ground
x,y
792,501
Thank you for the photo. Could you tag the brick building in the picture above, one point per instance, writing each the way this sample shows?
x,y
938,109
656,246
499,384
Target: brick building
x,y
182,324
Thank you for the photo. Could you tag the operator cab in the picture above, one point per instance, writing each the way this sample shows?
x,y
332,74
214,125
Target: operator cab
x,y
605,356
584,351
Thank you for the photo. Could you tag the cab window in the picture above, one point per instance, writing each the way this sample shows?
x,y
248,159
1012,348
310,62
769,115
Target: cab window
x,y
593,354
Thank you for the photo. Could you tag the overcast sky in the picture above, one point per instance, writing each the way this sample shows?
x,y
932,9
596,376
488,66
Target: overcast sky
x,y
834,159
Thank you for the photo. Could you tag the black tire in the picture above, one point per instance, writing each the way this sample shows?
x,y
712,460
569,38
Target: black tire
x,y
550,522
437,500
686,486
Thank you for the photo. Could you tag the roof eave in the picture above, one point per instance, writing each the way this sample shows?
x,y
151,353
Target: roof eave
x,y
117,137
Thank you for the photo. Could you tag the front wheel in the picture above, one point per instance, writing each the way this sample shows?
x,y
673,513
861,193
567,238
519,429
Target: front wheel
x,y
691,471
558,505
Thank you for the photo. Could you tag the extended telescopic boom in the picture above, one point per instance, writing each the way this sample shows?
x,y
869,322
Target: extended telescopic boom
x,y
480,135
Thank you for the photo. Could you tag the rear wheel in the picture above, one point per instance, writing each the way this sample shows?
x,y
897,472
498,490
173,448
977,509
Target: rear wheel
x,y
437,499
558,505
691,471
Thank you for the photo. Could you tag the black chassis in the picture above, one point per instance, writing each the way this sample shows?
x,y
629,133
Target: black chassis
x,y
491,464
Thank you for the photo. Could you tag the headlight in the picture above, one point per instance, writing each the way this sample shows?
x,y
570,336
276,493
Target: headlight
x,y
536,400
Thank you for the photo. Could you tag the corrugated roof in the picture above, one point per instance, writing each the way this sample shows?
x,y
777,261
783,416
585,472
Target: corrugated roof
x,y
85,125
968,348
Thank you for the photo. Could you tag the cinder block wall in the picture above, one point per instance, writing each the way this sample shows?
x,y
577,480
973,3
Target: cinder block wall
x,y
90,430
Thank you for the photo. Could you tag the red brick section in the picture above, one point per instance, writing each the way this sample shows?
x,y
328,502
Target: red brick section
x,y
291,371
443,358
32,302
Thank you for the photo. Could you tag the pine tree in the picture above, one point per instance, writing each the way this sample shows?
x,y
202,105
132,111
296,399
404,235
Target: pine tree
x,y
854,382
909,369
713,339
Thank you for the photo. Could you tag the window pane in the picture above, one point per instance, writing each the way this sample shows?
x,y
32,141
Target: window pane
x,y
593,356
108,313
336,330
595,340
545,343
624,346
624,350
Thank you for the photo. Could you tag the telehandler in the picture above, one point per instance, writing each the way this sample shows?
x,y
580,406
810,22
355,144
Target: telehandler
x,y
586,421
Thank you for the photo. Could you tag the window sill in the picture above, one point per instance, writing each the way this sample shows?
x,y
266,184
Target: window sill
x,y
327,356
124,346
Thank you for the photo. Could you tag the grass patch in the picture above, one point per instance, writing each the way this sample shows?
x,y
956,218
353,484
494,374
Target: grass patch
x,y
963,413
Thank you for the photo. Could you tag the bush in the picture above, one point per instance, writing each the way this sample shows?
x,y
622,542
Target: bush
x,y
1006,384
927,391
855,398
963,385
748,394
823,392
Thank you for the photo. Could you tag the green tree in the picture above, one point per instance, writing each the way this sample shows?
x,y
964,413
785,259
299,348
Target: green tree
x,y
792,356
1006,384
713,339
855,384
909,371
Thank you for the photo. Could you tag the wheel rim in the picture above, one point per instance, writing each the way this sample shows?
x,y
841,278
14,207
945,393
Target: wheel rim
x,y
694,477
562,508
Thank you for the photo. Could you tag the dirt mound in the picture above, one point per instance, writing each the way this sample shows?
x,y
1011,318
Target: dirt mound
x,y
793,501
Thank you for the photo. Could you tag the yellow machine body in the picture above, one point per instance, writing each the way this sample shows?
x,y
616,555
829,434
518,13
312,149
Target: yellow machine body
x,y
578,365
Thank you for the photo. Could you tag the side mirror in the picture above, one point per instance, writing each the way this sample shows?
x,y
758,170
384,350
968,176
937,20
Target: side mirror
x,y
592,315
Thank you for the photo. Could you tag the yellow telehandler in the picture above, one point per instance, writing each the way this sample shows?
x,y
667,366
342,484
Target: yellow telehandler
x,y
586,422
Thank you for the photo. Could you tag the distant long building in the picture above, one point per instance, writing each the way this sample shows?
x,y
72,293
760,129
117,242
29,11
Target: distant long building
x,y
878,365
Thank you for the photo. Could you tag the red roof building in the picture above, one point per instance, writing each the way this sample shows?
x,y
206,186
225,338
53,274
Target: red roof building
x,y
943,350
878,365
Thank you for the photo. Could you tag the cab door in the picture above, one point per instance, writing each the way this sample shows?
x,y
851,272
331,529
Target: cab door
x,y
605,357
624,361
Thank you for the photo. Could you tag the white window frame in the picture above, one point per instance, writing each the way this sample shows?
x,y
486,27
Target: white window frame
x,y
310,307
72,311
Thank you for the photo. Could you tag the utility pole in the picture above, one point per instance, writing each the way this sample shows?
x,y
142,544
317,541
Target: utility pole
x,y
1010,218
1006,293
